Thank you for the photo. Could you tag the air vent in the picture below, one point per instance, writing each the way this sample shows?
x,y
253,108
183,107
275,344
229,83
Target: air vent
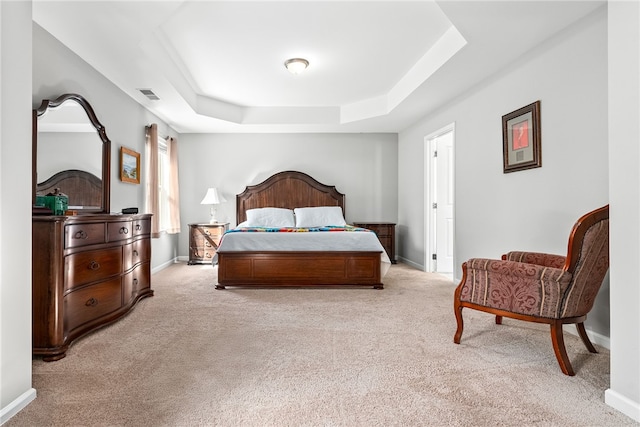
x,y
149,94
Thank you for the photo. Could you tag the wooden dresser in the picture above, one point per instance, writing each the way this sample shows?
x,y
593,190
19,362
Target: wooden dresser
x,y
204,240
88,271
386,232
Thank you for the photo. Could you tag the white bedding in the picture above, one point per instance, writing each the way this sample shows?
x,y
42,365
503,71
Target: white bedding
x,y
305,241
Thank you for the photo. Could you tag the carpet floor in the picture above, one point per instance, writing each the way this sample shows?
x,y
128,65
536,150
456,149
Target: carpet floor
x,y
195,356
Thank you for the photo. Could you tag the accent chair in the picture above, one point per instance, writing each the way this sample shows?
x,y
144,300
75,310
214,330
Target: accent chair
x,y
539,287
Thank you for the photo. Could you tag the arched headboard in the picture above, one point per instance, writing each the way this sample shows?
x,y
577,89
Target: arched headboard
x,y
288,189
83,188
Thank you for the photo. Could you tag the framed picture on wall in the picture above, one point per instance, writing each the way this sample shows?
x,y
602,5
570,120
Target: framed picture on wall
x,y
521,138
129,165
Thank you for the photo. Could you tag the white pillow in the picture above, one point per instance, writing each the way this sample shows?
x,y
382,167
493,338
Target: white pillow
x,y
319,216
270,217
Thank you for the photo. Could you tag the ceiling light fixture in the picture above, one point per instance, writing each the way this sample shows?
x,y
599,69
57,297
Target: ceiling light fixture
x,y
296,65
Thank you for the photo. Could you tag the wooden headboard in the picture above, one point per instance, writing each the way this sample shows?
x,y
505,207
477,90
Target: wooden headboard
x,y
289,189
83,188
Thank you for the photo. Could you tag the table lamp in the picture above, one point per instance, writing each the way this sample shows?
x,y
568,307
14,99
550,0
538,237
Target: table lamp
x,y
212,198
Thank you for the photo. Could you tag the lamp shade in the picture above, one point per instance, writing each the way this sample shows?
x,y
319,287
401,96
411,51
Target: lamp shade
x,y
212,197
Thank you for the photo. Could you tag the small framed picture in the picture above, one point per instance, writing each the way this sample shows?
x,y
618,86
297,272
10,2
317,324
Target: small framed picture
x,y
129,166
521,138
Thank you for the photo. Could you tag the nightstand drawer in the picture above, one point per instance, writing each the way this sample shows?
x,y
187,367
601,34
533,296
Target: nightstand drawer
x,y
386,232
204,240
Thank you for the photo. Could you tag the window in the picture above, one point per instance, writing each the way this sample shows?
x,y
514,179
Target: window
x,y
162,191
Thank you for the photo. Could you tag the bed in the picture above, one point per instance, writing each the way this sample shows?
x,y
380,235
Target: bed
x,y
83,188
298,264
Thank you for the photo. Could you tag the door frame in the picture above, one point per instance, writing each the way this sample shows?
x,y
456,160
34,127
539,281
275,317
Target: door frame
x,y
429,199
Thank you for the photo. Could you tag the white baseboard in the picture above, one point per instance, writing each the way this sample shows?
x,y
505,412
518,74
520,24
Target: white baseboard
x,y
17,405
163,266
622,404
595,337
411,263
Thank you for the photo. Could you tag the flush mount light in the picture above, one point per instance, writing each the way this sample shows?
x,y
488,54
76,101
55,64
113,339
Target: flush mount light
x,y
296,65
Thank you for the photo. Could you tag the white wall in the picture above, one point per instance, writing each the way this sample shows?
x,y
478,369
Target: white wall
x,y
568,75
57,70
362,166
15,208
590,127
624,181
536,208
497,212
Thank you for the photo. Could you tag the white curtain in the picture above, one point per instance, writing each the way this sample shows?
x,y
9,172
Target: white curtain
x,y
174,190
153,202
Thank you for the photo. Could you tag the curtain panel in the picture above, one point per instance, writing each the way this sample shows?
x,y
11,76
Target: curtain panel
x,y
153,201
173,226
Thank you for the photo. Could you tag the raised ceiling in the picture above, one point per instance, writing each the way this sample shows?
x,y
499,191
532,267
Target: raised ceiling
x,y
375,66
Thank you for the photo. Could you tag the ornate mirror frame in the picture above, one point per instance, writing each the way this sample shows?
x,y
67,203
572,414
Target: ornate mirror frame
x,y
106,149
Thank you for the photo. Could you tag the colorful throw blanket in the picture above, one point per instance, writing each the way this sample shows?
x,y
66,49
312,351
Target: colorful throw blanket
x,y
296,229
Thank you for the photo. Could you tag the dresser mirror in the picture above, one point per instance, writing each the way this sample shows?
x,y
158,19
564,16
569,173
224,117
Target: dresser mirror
x,y
72,153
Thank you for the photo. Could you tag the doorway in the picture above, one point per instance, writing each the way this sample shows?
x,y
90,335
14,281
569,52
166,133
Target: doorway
x,y
439,207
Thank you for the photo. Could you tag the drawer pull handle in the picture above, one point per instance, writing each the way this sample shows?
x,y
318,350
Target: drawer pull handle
x,y
138,227
80,235
135,253
207,232
135,281
94,265
207,244
91,302
124,230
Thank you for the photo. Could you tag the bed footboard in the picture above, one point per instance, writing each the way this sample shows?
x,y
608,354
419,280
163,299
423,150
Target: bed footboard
x,y
269,269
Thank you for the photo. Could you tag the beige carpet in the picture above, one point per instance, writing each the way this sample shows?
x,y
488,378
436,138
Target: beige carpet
x,y
195,356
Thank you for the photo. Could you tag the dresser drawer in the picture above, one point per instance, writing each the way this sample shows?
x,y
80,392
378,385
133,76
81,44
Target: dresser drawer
x,y
91,266
137,252
77,235
92,302
120,230
142,226
135,281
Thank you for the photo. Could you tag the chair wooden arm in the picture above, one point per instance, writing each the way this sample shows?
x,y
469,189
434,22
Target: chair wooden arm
x,y
538,258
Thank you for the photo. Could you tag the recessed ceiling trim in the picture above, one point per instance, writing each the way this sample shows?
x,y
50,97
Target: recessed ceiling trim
x,y
444,49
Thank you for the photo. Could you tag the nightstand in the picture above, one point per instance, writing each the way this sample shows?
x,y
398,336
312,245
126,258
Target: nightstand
x,y
386,232
204,239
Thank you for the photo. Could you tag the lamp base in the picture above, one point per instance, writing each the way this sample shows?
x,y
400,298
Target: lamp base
x,y
213,219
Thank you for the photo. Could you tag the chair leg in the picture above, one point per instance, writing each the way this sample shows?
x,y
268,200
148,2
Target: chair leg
x,y
457,308
585,338
557,339
498,320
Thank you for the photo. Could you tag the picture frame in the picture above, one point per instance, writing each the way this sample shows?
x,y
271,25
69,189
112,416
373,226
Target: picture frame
x,y
129,165
521,145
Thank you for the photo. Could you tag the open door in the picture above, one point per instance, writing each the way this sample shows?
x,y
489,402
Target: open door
x,y
440,200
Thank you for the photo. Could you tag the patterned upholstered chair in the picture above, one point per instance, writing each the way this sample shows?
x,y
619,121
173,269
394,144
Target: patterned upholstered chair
x,y
542,288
